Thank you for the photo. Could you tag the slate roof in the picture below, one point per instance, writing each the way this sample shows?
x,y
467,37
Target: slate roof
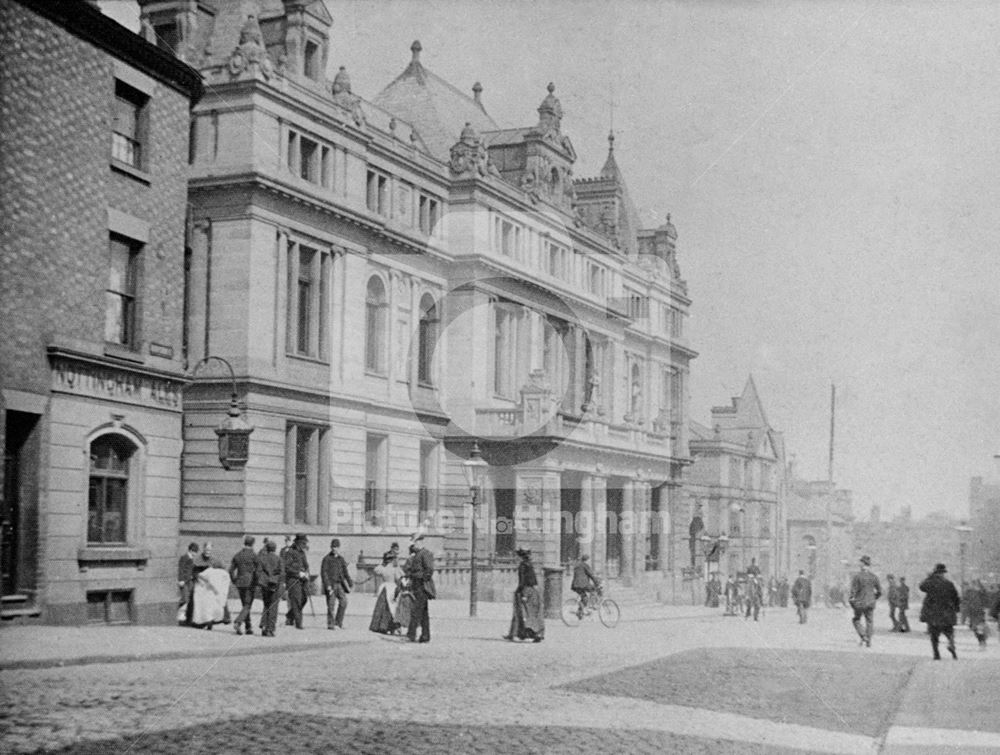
x,y
436,109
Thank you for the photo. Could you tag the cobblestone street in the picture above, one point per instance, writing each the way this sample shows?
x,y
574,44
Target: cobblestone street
x,y
678,680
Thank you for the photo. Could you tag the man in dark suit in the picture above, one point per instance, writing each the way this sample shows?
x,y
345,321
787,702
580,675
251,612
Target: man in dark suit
x,y
421,572
941,604
865,592
802,595
185,581
243,573
269,576
902,604
336,584
296,571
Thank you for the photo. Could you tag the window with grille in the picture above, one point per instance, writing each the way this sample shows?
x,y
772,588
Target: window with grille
x,y
120,296
107,507
109,607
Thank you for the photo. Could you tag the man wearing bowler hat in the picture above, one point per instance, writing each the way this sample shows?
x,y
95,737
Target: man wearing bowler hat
x,y
420,570
865,592
336,584
296,570
941,604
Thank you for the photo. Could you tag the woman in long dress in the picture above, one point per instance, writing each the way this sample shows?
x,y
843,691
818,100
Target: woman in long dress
x,y
388,574
211,591
527,622
405,601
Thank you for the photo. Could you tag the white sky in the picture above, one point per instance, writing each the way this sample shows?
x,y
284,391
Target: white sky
x,y
832,173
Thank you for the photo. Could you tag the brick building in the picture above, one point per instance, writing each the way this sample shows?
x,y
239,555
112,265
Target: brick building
x,y
397,279
736,490
93,190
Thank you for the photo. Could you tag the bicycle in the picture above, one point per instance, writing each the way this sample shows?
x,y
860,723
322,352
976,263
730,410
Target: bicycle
x,y
574,611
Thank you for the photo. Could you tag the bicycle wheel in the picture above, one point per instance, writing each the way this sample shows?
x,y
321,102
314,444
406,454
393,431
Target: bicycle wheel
x,y
609,613
570,612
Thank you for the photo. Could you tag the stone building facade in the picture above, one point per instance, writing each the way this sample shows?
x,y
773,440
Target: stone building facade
x,y
396,280
818,521
735,491
984,535
904,546
91,298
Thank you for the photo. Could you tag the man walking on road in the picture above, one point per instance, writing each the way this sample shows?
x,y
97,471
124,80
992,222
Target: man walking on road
x,y
941,604
269,574
755,596
185,582
802,595
865,592
296,570
420,570
892,592
336,584
243,573
902,604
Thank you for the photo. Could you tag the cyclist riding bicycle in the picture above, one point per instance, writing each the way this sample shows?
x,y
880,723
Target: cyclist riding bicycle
x,y
584,581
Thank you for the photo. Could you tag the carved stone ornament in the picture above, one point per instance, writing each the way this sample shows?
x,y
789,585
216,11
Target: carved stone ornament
x,y
250,56
469,156
345,99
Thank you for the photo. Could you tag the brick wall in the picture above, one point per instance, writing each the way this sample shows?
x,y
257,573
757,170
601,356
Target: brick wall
x,y
56,184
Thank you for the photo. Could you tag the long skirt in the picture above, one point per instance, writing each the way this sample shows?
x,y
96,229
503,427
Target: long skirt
x,y
382,619
527,621
403,608
211,593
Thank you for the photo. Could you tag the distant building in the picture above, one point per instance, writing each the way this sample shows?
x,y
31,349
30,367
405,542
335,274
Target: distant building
x,y
93,190
819,517
909,547
399,278
735,490
984,537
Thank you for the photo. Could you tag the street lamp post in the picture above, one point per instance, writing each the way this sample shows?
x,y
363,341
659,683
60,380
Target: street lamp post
x,y
234,431
475,475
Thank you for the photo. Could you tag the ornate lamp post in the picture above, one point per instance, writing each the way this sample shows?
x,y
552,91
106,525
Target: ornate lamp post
x,y
234,431
475,468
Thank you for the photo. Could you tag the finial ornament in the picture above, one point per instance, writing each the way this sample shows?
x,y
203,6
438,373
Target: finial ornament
x,y
477,90
415,48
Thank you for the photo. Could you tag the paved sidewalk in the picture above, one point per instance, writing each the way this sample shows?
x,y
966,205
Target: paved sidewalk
x,y
27,646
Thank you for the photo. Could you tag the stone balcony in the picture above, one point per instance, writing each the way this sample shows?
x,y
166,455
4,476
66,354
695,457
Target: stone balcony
x,y
539,415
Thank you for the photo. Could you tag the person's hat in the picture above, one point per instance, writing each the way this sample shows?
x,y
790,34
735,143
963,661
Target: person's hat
x,y
940,569
889,576
523,552
335,543
416,537
866,560
300,538
584,557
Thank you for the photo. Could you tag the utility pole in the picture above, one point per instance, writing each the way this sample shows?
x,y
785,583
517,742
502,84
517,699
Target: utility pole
x,y
829,494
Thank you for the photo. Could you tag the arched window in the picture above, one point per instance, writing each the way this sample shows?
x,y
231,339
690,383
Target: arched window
x,y
107,509
376,310
426,339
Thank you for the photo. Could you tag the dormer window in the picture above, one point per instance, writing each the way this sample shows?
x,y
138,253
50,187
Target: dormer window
x,y
311,60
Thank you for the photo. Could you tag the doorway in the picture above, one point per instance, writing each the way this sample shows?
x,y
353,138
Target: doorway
x,y
19,507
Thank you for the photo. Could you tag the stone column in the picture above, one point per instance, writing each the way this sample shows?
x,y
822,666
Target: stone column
x,y
627,527
642,525
585,524
599,503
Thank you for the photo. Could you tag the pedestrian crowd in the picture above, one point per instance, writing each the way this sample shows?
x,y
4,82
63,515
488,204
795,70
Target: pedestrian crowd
x,y
403,593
